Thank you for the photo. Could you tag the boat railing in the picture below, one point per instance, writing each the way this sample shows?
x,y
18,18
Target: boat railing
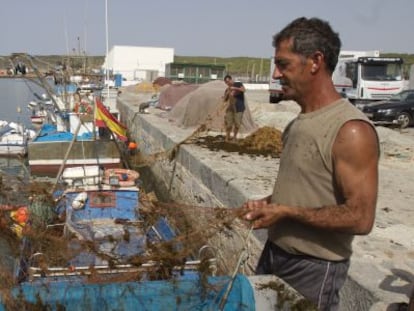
x,y
36,272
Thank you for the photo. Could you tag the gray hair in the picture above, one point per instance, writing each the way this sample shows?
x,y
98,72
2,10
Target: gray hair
x,y
309,36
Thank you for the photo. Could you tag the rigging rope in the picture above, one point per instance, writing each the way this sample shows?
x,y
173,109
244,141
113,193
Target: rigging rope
x,y
242,258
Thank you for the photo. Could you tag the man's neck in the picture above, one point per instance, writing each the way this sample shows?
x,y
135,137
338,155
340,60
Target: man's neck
x,y
319,97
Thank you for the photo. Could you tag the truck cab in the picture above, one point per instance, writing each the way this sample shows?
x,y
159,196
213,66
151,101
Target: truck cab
x,y
364,77
275,88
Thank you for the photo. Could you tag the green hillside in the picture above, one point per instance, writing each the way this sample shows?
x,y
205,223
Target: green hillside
x,y
250,66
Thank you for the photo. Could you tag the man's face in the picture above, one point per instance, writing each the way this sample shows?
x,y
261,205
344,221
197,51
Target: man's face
x,y
229,82
292,70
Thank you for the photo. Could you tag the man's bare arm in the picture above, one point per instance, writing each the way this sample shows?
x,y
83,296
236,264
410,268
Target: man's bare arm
x,y
355,156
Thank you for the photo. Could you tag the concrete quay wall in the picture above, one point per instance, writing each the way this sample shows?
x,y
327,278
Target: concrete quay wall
x,y
202,177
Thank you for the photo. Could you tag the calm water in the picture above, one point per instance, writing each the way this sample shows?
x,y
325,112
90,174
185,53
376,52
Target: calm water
x,y
16,94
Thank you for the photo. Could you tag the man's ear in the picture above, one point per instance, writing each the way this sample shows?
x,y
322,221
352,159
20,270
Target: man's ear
x,y
317,60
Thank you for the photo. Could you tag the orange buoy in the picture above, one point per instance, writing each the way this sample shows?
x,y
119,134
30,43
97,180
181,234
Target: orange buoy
x,y
132,145
21,215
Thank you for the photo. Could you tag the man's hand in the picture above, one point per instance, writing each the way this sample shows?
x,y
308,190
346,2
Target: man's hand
x,y
261,213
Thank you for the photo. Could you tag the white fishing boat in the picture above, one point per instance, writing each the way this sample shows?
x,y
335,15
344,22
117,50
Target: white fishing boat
x,y
39,115
79,143
13,139
39,109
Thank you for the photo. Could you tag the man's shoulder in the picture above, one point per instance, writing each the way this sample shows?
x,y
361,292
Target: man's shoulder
x,y
238,83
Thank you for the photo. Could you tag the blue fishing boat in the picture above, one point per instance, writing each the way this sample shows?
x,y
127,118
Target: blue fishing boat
x,y
110,260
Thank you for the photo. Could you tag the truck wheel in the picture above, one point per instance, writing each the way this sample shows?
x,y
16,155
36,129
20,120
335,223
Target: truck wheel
x,y
404,120
274,99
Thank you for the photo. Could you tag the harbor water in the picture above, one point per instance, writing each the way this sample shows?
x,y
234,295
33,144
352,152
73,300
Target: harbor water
x,y
15,95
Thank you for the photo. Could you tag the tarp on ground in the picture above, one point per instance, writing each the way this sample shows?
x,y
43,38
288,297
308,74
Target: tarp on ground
x,y
205,106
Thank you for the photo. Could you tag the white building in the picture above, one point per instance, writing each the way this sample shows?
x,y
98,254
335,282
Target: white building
x,y
137,62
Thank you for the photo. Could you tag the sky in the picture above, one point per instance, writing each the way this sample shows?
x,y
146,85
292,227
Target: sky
x,y
217,28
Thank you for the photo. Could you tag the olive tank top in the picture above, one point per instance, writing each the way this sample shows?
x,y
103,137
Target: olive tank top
x,y
306,178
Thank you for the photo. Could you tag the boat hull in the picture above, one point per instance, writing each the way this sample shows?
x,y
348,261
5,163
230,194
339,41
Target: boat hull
x,y
37,119
13,144
47,157
12,150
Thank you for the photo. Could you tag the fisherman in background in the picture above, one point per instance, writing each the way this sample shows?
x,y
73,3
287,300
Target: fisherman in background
x,y
234,96
20,68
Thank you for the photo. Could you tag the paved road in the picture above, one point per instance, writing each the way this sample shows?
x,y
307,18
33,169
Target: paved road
x,y
408,132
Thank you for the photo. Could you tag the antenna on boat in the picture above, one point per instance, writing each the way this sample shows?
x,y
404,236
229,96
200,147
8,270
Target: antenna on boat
x,y
85,34
66,33
107,47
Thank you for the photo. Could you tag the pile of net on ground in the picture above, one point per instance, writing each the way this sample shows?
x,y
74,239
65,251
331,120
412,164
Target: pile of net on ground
x,y
204,105
265,141
170,94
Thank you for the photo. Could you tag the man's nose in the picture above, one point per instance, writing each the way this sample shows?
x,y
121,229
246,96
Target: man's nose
x,y
276,73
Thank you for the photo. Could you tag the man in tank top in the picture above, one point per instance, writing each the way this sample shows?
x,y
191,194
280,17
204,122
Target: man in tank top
x,y
326,188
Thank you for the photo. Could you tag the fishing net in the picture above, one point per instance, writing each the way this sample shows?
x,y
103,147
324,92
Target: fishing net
x,y
205,106
170,94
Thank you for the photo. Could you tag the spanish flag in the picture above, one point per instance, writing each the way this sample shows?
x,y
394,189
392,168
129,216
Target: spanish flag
x,y
103,118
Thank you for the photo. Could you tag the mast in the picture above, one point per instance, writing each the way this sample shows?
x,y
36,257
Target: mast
x,y
107,46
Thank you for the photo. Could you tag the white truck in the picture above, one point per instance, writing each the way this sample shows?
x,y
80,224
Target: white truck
x,y
364,76
275,89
